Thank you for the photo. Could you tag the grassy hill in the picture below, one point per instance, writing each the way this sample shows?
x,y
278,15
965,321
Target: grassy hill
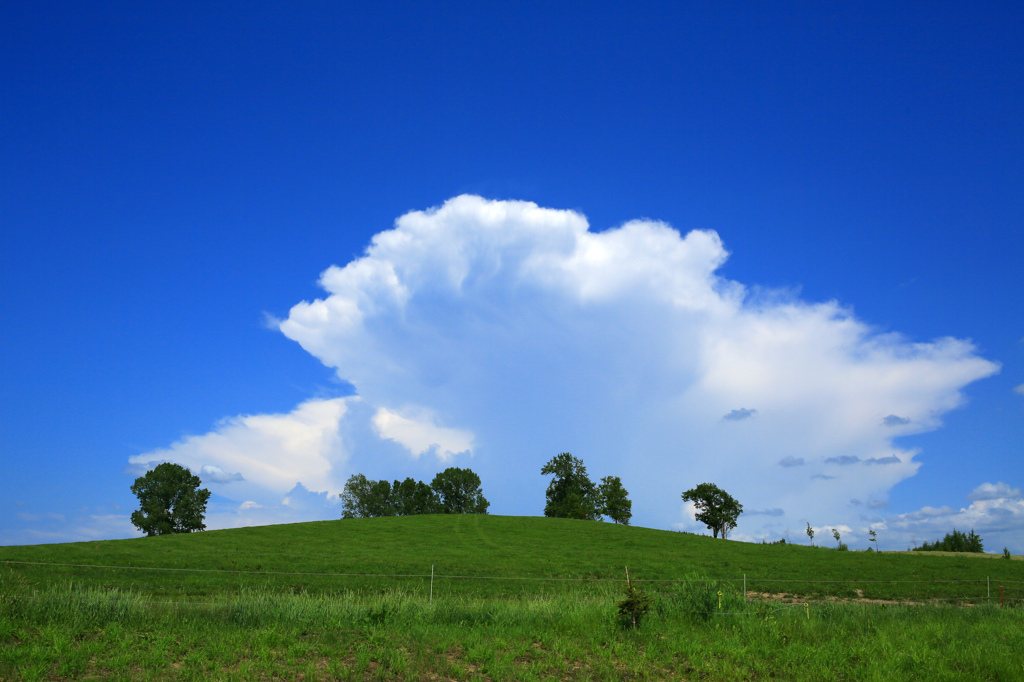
x,y
516,598
499,556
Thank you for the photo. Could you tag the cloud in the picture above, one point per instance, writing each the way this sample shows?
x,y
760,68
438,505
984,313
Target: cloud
x,y
996,513
766,512
86,524
994,491
528,334
1019,389
877,504
422,435
266,454
215,474
891,459
740,414
893,420
512,332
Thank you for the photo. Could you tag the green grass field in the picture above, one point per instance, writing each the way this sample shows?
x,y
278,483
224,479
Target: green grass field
x,y
513,598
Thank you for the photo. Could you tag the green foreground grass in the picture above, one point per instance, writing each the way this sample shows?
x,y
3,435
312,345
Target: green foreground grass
x,y
81,633
537,601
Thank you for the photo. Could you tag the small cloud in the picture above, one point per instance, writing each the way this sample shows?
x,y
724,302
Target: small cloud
x,y
891,459
766,512
740,414
994,491
822,477
1019,389
877,504
271,322
893,420
20,503
843,460
218,475
420,435
249,504
791,461
856,503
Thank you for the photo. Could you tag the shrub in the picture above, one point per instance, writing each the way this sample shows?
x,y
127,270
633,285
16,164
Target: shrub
x,y
636,604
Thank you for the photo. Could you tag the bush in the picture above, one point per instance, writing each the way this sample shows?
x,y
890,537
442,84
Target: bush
x,y
633,608
1006,553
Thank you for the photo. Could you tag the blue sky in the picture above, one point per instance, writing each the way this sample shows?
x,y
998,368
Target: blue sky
x,y
730,242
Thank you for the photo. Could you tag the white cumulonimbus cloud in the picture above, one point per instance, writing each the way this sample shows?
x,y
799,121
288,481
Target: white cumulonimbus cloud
x,y
497,334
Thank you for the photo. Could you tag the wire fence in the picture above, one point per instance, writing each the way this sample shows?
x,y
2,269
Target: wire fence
x,y
749,582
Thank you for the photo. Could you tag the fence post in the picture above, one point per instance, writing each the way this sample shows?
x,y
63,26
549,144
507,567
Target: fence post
x,y
431,583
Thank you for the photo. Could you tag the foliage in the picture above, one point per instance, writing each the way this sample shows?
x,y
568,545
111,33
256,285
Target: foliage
x,y
571,494
356,497
840,545
413,497
636,604
810,533
716,509
453,491
170,501
458,492
613,500
1006,553
954,542
874,538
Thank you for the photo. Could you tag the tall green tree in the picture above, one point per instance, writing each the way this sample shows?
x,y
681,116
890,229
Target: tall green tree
x,y
458,492
170,501
355,497
613,500
410,497
378,503
570,494
716,509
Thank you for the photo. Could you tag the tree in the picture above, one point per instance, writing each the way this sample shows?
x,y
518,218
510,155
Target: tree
x,y
378,502
716,509
170,501
957,541
810,533
413,497
366,498
571,494
458,492
355,497
613,500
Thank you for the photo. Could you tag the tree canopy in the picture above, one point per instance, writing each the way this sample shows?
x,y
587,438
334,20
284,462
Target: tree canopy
x,y
957,541
458,492
613,500
453,491
170,501
571,494
716,509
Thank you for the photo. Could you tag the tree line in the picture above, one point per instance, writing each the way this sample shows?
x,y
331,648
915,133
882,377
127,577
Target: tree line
x,y
453,491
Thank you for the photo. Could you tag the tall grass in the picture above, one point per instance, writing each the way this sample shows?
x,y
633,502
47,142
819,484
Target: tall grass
x,y
71,630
